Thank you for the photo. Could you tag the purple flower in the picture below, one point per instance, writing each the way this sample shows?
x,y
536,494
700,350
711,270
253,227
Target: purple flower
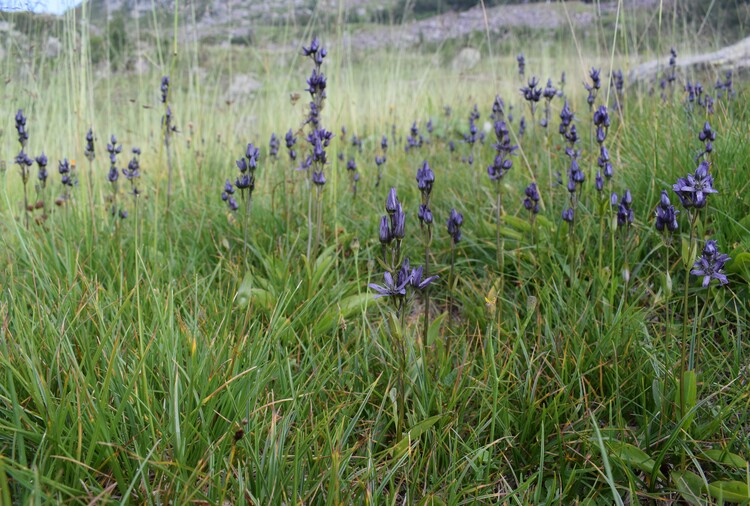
x,y
425,179
531,93
666,215
692,190
455,220
89,151
385,231
23,134
710,264
416,281
391,202
531,202
549,91
390,288
318,178
41,161
398,223
164,89
424,214
273,146
567,215
521,64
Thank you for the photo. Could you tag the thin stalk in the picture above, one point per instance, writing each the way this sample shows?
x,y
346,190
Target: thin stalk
x,y
309,218
246,222
169,163
25,203
91,196
319,214
450,285
426,322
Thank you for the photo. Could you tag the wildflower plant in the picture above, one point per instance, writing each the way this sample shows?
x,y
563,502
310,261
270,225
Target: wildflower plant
x,y
425,182
399,280
453,225
90,154
113,176
67,179
168,128
245,182
318,138
23,161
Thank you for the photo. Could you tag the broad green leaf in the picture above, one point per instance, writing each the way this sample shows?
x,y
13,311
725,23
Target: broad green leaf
x,y
434,330
633,457
740,264
726,458
689,388
690,485
729,491
398,450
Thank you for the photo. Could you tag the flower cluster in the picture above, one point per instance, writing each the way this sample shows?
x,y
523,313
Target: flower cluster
x,y
351,167
67,176
707,136
502,162
549,92
666,215
164,88
89,152
593,88
318,138
532,93
625,215
710,264
247,166
521,59
455,220
273,146
414,139
291,140
23,134
42,173
498,109
693,189
133,172
725,86
602,123
531,202
113,175
425,180
400,277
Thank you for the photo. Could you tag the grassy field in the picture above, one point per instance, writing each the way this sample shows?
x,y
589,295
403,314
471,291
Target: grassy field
x,y
192,354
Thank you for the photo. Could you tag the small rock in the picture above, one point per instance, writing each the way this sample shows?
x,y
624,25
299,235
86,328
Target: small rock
x,y
242,86
53,47
466,59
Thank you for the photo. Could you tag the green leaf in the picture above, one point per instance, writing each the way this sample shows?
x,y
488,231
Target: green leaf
x,y
689,387
434,330
689,252
398,450
690,485
740,265
517,223
633,457
729,491
726,458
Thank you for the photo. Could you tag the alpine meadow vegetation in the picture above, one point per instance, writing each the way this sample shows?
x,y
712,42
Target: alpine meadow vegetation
x,y
557,312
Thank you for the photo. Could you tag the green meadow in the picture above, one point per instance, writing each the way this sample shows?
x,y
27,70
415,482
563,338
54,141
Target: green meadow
x,y
194,354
